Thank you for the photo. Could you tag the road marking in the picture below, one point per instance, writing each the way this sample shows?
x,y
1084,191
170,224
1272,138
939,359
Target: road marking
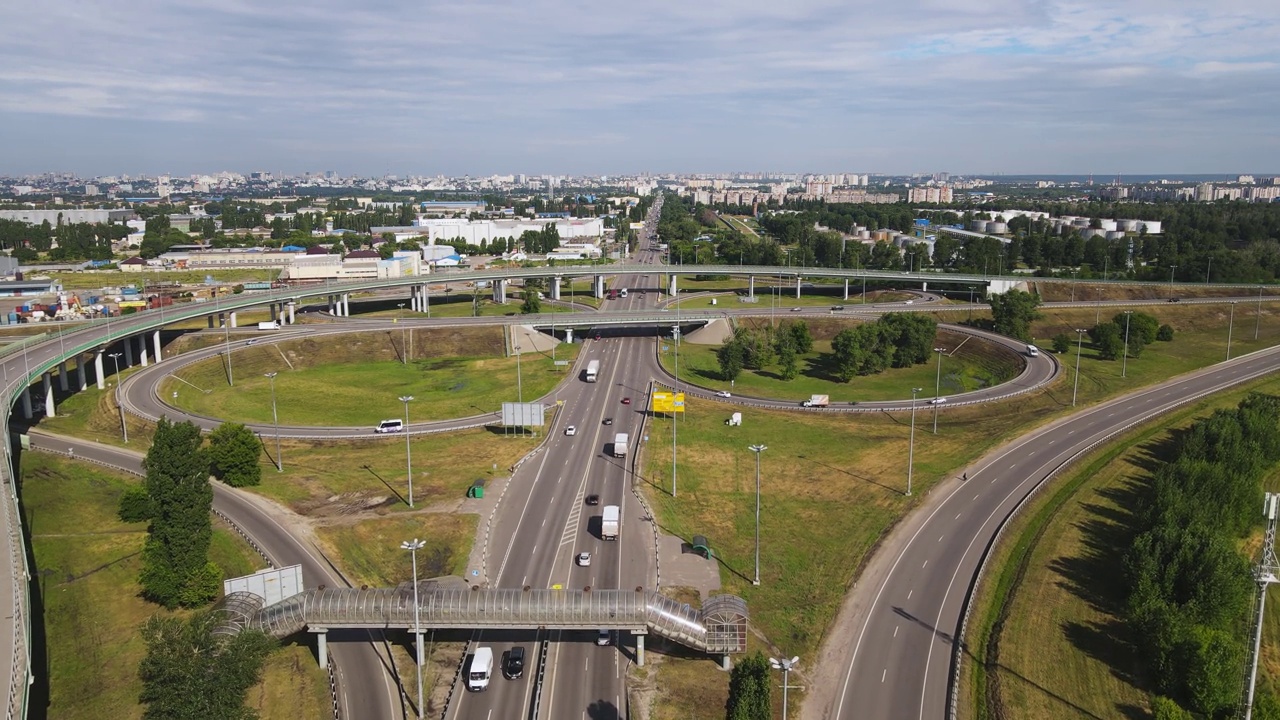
x,y
884,674
957,516
895,630
926,562
909,593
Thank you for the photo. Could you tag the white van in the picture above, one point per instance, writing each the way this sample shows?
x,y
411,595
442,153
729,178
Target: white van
x,y
481,669
390,426
1033,351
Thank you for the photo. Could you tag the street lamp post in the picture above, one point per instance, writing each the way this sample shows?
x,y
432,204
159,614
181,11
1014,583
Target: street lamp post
x,y
404,349
115,358
1124,364
226,330
786,666
275,419
519,380
408,455
1172,268
911,449
413,546
1079,342
1231,326
1257,315
757,449
937,387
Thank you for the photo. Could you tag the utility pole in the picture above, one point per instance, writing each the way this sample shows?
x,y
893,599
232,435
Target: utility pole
x,y
115,358
408,453
937,388
1231,326
911,452
413,546
1124,365
757,449
1076,389
275,419
1257,315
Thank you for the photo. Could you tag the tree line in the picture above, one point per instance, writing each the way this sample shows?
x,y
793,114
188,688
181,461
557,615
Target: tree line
x,y
1189,588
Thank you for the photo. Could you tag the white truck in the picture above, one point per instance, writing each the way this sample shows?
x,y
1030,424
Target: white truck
x,y
593,370
609,522
817,401
270,325
481,669
620,442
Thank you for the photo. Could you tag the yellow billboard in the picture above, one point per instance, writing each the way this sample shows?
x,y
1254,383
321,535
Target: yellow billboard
x,y
668,403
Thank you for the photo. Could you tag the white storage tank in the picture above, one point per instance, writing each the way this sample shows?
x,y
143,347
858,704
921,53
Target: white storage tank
x,y
1151,226
1080,222
998,228
1087,233
1128,225
1108,225
1115,234
978,225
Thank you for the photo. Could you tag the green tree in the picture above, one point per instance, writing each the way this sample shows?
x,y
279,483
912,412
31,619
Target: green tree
x,y
190,673
532,303
749,690
1012,313
1162,708
787,359
1141,324
801,337
175,560
1061,343
1165,333
731,357
1109,339
1213,659
233,455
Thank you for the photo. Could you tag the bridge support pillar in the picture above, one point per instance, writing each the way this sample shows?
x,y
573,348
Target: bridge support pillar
x,y
500,292
751,287
275,312
597,287
293,307
26,402
142,349
62,376
231,320
346,305
639,650
155,344
671,286
210,322
568,335
48,395
80,372
128,353
426,299
924,287
322,645
846,289
726,662
797,287
97,369
413,298
555,288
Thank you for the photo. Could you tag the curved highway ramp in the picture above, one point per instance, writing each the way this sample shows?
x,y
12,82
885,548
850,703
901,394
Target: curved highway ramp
x,y
719,627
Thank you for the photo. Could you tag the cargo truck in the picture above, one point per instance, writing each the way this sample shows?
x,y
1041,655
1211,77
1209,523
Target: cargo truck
x,y
817,401
593,370
609,522
620,445
269,325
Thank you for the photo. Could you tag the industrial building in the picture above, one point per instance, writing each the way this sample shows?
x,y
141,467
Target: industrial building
x,y
66,216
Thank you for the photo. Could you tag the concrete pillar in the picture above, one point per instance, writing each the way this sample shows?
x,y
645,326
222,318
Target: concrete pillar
x,y
26,403
671,286
846,288
272,312
726,663
97,369
210,322
222,319
62,376
751,286
322,646
598,287
155,344
924,287
293,307
555,288
797,287
639,650
330,304
500,291
48,395
568,335
231,321
142,349
80,372
128,353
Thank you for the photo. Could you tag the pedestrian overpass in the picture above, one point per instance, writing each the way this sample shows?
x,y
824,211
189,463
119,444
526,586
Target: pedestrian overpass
x,y
718,628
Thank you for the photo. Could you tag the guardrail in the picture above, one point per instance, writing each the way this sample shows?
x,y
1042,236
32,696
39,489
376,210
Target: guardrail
x,y
535,707
453,686
958,647
20,674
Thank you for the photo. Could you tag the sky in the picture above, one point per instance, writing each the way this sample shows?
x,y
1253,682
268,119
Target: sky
x,y
568,87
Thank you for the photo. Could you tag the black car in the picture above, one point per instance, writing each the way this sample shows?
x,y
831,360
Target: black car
x,y
593,499
513,668
608,421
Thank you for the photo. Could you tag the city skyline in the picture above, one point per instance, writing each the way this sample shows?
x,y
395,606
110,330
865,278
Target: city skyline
x,y
1009,86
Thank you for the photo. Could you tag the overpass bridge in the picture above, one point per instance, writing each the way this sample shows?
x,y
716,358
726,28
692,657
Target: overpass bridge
x,y
718,628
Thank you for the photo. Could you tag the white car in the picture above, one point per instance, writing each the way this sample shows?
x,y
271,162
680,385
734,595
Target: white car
x,y
937,401
571,430
723,394
584,559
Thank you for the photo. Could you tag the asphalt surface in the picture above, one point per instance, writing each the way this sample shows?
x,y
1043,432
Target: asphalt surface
x,y
358,656
910,601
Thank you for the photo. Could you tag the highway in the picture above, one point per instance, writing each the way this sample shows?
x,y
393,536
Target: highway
x,y
908,602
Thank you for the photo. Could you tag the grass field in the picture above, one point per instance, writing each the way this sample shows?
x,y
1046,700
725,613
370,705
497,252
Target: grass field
x,y
94,279
1062,651
1062,292
83,554
451,373
973,365
369,551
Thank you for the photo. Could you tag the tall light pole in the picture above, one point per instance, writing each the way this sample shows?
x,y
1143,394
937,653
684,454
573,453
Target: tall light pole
x,y
226,329
1257,315
757,449
275,419
1079,342
1124,364
1171,269
519,380
115,358
911,451
408,455
1206,271
404,349
937,387
413,546
1230,326
786,666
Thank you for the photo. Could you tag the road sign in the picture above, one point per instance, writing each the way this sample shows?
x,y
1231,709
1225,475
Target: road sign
x,y
562,363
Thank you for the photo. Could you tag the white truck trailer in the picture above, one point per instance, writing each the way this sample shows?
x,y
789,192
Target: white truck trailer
x,y
269,325
620,442
609,522
817,401
593,370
